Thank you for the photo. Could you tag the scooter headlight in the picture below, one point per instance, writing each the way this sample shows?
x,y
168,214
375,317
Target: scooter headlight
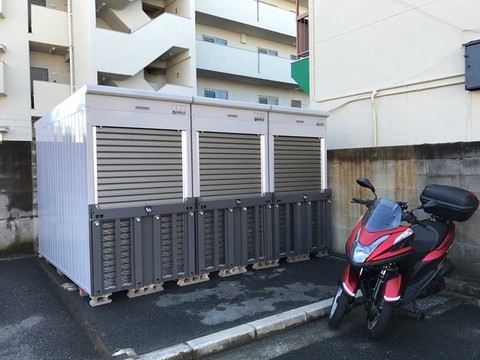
x,y
360,252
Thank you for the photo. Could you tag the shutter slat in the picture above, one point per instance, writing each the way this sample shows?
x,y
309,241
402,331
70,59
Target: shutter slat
x,y
297,164
138,166
230,165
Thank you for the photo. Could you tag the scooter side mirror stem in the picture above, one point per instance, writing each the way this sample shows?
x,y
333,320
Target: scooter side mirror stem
x,y
364,182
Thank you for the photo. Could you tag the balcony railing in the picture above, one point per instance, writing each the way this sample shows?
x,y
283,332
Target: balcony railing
x,y
47,95
302,31
3,80
49,26
230,60
251,12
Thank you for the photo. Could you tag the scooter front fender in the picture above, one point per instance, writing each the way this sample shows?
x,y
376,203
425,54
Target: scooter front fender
x,y
350,281
393,289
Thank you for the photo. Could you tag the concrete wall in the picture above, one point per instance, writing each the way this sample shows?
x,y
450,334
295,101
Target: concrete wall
x,y
17,223
58,68
251,43
392,72
402,173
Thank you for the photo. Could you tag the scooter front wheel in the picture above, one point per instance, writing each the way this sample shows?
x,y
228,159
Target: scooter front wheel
x,y
338,309
378,318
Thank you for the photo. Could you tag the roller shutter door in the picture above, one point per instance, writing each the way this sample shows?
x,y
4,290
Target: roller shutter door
x,y
138,166
297,164
230,165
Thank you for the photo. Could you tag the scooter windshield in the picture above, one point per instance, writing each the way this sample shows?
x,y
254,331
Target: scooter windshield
x,y
385,215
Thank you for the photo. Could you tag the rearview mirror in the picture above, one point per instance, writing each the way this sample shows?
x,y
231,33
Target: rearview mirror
x,y
363,182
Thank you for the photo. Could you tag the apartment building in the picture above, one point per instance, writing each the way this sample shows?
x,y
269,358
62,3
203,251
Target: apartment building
x,y
236,50
393,72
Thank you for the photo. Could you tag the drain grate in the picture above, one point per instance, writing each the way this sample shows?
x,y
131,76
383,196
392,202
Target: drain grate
x,y
428,303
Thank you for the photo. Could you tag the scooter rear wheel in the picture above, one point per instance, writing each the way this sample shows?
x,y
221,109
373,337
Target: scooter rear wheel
x,y
378,318
338,309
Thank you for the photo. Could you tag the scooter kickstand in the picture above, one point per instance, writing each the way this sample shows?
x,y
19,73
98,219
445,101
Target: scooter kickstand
x,y
419,314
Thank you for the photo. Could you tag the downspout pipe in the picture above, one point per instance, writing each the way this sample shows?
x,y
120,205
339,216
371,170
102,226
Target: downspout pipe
x,y
70,46
374,117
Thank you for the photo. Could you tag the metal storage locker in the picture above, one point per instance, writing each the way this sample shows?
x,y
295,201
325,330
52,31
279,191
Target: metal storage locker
x,y
115,191
231,181
299,182
137,188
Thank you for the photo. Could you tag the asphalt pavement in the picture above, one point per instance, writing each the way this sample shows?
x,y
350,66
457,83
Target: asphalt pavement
x,y
451,331
42,319
35,320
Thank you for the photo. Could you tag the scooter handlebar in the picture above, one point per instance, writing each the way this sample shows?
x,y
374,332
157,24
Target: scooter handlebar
x,y
412,219
367,203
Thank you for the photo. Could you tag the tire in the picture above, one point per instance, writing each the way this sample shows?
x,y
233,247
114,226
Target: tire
x,y
378,318
339,308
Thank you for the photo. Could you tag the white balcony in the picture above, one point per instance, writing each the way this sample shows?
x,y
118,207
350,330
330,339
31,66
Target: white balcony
x,y
257,17
3,78
47,95
49,26
243,63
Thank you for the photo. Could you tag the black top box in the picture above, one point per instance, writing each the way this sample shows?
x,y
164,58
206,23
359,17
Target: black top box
x,y
453,203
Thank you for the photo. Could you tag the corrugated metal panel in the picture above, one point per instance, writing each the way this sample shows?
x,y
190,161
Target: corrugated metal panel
x,y
174,253
230,165
117,254
138,166
297,164
287,228
63,196
215,239
255,233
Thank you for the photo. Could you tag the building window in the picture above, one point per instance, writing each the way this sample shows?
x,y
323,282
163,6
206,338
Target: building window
x,y
215,94
296,104
39,2
268,100
214,40
268,52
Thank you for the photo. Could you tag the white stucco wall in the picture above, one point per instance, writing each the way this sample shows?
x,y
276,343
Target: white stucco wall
x,y
15,106
248,92
409,55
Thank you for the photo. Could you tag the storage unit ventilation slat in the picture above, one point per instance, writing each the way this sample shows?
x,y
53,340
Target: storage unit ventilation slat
x,y
297,164
138,166
230,165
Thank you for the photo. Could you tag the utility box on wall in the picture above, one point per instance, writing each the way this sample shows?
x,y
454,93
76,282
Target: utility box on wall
x,y
137,188
472,65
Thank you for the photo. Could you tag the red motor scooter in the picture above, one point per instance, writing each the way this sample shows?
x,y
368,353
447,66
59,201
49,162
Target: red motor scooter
x,y
394,264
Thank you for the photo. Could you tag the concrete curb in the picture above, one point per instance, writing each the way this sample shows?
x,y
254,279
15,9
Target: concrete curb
x,y
227,339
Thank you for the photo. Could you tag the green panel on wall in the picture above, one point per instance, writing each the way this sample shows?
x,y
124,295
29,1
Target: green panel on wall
x,y
301,74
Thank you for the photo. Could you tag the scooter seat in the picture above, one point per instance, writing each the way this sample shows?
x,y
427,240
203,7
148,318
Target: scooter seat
x,y
429,238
